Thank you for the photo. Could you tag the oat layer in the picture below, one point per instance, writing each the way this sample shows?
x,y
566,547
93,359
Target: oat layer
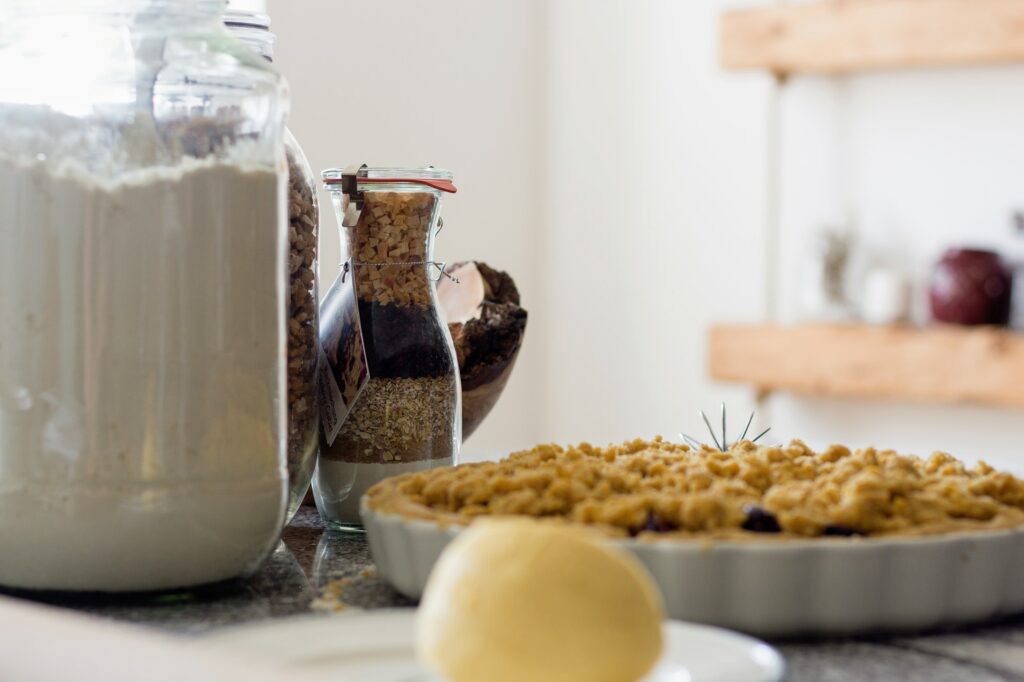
x,y
656,487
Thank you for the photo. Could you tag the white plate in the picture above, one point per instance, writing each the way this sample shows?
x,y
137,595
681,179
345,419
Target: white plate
x,y
775,588
378,646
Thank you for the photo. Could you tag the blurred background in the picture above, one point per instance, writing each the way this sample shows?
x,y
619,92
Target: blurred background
x,y
640,193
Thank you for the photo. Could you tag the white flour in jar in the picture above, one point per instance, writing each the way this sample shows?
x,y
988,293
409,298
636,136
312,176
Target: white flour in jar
x,y
141,375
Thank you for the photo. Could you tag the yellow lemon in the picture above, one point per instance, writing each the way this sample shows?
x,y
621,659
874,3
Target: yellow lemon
x,y
515,599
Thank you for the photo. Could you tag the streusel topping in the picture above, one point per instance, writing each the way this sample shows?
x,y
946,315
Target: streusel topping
x,y
643,487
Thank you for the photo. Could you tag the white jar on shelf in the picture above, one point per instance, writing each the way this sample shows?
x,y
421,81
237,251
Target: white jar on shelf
x,y
885,296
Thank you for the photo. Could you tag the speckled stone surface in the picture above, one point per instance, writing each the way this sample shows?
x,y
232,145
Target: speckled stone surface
x,y
318,571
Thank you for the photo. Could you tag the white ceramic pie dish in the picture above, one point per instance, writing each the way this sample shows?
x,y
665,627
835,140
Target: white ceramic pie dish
x,y
782,587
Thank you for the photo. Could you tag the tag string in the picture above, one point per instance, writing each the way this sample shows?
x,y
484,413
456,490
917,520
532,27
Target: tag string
x,y
440,265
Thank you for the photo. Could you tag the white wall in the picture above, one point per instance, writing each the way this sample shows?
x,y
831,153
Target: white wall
x,y
457,84
606,161
918,161
601,158
656,215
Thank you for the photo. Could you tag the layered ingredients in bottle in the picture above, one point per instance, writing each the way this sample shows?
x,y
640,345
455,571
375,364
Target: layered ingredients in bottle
x,y
391,356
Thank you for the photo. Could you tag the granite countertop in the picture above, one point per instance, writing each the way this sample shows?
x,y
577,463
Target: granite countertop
x,y
314,570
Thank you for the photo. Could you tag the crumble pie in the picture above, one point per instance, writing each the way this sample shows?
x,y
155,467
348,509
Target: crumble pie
x,y
642,488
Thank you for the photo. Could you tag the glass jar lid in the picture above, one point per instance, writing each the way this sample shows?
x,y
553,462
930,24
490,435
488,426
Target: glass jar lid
x,y
358,176
253,29
250,19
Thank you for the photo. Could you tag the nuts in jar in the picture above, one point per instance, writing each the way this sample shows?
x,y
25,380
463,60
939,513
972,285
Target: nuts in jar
x,y
303,324
391,236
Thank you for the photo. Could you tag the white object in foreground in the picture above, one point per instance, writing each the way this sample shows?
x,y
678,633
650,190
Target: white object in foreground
x,y
46,644
777,587
379,646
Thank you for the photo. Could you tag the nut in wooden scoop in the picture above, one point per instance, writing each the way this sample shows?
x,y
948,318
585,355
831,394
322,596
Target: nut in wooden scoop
x,y
487,326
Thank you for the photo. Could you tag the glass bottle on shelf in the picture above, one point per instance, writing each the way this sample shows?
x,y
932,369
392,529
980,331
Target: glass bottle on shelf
x,y
253,29
142,292
391,377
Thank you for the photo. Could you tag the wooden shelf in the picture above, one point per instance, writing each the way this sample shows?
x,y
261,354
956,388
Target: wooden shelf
x,y
843,36
935,365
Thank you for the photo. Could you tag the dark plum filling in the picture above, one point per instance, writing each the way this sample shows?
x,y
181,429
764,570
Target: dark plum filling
x,y
760,520
840,531
654,525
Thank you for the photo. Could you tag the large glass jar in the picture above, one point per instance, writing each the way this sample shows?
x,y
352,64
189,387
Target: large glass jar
x,y
393,373
142,297
253,29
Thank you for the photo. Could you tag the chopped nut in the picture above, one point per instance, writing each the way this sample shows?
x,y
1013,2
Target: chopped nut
x,y
390,241
332,596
